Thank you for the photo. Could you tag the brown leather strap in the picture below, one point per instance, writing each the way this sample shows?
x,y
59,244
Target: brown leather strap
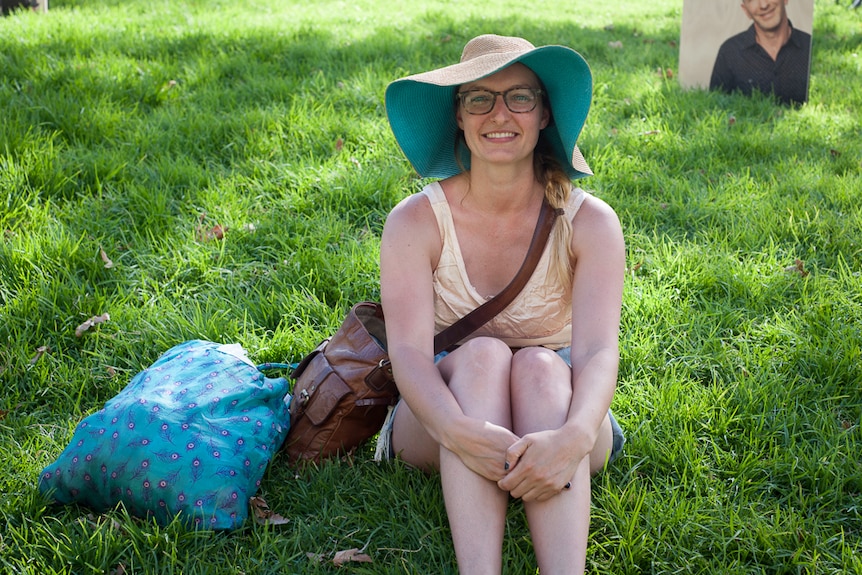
x,y
476,318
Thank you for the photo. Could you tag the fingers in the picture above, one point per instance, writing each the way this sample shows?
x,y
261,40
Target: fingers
x,y
532,478
514,453
485,452
536,492
545,492
487,467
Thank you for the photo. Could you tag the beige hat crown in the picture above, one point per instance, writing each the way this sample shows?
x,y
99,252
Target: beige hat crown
x,y
493,44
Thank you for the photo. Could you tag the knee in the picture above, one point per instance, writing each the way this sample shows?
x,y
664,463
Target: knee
x,y
487,351
478,375
483,362
540,371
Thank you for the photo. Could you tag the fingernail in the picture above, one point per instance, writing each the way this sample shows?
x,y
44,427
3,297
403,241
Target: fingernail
x,y
506,466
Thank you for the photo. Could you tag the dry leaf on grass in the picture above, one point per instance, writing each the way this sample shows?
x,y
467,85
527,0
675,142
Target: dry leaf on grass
x,y
263,514
40,351
666,73
351,556
108,263
204,234
342,557
95,320
216,232
798,268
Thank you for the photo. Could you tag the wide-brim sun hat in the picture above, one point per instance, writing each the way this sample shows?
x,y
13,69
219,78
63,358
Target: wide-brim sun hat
x,y
421,107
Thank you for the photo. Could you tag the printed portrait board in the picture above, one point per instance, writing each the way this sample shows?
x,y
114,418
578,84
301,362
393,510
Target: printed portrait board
x,y
707,24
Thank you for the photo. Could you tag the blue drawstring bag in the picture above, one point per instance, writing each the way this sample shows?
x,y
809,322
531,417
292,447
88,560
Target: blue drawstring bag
x,y
190,436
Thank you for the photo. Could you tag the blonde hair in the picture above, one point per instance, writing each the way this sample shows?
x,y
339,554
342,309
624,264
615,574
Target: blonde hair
x,y
558,188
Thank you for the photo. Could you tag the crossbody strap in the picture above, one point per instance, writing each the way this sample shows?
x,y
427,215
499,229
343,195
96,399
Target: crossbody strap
x,y
482,314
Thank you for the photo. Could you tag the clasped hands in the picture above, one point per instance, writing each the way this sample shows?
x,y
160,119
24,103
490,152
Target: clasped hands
x,y
535,467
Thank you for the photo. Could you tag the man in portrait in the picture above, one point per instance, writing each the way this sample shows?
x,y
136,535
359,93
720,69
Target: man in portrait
x,y
771,56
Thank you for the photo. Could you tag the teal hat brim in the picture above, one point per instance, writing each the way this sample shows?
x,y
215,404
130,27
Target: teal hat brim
x,y
421,108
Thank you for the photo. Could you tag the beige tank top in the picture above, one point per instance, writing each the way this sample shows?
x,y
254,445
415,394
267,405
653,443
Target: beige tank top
x,y
540,315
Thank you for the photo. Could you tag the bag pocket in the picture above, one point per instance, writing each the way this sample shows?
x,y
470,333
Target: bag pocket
x,y
320,392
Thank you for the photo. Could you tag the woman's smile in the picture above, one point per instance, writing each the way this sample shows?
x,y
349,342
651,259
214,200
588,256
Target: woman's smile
x,y
500,135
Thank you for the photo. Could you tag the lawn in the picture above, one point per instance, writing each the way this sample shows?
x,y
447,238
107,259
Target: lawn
x,y
222,171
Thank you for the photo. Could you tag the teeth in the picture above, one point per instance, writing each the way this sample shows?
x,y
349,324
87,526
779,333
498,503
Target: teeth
x,y
501,135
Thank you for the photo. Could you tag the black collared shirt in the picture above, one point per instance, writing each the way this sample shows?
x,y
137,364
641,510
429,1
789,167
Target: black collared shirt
x,y
742,64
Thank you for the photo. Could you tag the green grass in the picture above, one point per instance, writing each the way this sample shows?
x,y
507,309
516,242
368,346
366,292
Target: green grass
x,y
132,127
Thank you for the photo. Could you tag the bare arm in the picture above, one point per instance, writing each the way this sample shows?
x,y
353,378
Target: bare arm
x,y
596,307
409,250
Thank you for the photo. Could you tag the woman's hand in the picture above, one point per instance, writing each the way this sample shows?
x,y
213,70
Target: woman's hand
x,y
483,446
541,464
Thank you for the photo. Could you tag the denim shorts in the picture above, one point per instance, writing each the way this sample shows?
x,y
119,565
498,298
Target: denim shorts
x,y
384,442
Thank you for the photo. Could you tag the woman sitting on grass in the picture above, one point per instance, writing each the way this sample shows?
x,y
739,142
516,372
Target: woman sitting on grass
x,y
521,407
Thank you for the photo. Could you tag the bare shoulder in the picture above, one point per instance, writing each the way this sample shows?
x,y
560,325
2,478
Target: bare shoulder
x,y
416,208
411,210
594,208
596,222
411,226
595,214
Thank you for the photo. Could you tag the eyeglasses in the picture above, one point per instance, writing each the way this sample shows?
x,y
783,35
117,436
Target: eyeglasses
x,y
518,100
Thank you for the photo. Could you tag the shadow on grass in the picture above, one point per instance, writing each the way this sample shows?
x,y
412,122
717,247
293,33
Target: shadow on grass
x,y
140,143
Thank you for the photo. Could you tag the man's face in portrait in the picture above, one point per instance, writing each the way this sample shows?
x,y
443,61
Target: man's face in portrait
x,y
768,15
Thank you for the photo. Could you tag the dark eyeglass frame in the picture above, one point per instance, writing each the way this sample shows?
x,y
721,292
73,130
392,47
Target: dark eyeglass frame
x,y
536,92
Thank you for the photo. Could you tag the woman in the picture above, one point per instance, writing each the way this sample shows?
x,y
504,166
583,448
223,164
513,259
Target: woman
x,y
521,407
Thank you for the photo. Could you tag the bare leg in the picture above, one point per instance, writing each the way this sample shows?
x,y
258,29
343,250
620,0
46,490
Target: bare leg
x,y
541,394
478,376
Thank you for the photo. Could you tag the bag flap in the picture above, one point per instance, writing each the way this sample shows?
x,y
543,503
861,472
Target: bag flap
x,y
317,391
325,398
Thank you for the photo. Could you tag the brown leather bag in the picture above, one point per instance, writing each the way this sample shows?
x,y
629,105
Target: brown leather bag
x,y
345,386
343,389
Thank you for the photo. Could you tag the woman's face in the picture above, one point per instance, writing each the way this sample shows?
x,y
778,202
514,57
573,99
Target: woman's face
x,y
502,136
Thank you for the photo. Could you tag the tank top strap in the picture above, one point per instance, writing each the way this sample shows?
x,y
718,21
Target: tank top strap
x,y
437,198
